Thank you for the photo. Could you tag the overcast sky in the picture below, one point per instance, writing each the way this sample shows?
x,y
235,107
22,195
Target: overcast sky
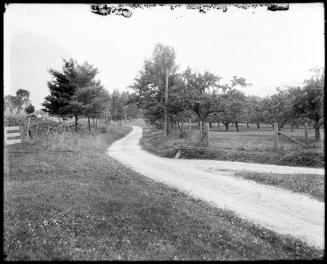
x,y
270,49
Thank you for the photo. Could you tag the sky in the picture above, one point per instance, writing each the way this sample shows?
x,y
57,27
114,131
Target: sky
x,y
269,49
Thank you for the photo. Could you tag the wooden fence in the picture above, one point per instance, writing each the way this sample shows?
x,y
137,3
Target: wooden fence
x,y
12,138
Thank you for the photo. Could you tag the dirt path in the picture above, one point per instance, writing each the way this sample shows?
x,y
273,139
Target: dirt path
x,y
279,210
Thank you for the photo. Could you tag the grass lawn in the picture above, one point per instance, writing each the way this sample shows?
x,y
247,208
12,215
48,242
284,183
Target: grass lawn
x,y
309,184
83,205
246,146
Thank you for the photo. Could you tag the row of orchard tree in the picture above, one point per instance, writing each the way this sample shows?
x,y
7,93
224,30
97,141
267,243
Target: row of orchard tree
x,y
76,93
203,98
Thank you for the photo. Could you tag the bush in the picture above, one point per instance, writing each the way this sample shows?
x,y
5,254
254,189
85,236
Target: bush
x,y
303,158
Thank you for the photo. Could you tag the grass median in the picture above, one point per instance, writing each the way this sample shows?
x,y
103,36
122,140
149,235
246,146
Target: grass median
x,y
83,205
309,184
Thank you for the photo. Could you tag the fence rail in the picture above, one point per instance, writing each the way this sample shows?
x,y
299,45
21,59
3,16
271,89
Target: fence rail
x,y
11,138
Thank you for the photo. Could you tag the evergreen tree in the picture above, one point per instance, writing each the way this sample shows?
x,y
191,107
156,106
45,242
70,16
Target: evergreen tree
x,y
74,92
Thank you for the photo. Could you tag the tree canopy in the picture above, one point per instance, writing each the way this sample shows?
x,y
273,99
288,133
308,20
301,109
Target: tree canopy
x,y
74,92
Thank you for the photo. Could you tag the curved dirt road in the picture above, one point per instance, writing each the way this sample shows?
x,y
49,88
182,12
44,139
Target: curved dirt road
x,y
279,210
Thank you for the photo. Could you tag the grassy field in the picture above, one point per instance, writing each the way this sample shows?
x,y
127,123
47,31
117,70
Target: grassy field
x,y
83,205
309,184
251,145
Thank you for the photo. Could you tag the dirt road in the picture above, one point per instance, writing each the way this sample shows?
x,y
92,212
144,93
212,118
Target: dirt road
x,y
279,210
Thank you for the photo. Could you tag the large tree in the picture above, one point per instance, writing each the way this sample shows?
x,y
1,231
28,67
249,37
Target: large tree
x,y
149,86
69,91
62,89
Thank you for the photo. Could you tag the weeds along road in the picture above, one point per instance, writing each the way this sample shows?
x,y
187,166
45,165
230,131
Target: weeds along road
x,y
279,210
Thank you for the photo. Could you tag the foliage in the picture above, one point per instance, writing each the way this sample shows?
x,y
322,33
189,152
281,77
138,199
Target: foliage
x,y
22,98
9,102
17,102
277,108
149,86
29,109
116,106
254,110
201,93
74,92
233,102
309,101
62,89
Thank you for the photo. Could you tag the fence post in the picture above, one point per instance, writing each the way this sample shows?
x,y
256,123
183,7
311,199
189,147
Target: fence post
x,y
34,137
306,134
276,136
28,130
208,129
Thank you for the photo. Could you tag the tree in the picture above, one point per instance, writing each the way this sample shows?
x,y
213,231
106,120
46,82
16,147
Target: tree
x,y
90,98
309,101
233,102
116,105
62,89
150,85
29,109
131,111
70,88
93,100
22,98
254,110
9,102
201,96
17,102
234,108
277,108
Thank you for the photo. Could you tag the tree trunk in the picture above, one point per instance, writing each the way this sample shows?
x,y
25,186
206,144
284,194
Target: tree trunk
x,y
317,131
226,126
247,125
166,102
210,125
89,123
204,134
237,128
76,122
258,125
218,124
